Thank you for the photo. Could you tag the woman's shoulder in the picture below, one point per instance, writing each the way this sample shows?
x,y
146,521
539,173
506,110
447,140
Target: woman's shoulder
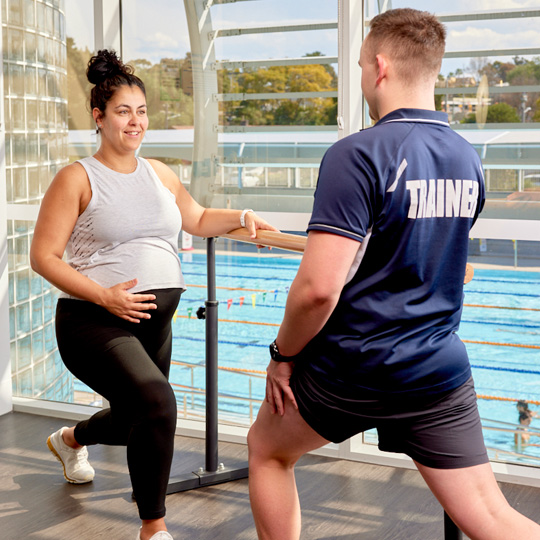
x,y
72,173
159,167
164,173
72,181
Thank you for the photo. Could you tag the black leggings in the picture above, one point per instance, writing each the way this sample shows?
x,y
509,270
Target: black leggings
x,y
128,364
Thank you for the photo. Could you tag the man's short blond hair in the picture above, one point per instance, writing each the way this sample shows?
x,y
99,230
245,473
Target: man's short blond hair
x,y
414,40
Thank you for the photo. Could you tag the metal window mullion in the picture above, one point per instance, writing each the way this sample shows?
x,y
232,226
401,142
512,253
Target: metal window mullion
x,y
229,32
532,88
351,32
216,2
268,129
275,95
205,108
108,25
303,61
492,52
483,15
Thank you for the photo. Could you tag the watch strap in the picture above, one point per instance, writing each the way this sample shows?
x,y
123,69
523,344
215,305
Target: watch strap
x,y
276,355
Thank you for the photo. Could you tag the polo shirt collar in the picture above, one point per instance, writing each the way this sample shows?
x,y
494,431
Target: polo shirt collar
x,y
415,115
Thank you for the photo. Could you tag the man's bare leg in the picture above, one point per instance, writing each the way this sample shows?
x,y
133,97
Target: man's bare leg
x,y
472,498
275,444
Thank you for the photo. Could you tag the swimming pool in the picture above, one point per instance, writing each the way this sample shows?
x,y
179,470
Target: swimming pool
x,y
500,325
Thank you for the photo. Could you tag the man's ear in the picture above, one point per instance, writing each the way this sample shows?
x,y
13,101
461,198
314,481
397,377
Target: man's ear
x,y
382,68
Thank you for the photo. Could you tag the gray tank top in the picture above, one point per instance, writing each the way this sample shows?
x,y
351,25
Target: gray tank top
x,y
129,230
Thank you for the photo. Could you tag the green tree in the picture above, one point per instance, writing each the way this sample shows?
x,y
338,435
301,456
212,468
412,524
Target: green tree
x,y
527,72
536,114
278,79
168,105
502,113
496,72
469,119
499,113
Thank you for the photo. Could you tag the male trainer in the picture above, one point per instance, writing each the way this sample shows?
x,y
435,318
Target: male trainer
x,y
368,338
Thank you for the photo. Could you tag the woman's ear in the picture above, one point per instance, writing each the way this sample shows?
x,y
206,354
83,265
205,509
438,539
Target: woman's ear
x,y
96,113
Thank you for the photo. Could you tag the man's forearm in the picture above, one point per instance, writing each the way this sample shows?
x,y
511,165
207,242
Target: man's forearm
x,y
305,315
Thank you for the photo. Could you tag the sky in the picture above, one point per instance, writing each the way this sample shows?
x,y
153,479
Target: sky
x,y
158,29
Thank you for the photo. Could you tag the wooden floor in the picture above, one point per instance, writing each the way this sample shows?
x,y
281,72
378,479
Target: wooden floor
x,y
341,500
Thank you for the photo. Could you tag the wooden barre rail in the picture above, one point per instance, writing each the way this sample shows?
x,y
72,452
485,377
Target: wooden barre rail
x,y
292,242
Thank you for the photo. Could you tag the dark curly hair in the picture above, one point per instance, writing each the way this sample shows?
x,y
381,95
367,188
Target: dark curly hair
x,y
108,73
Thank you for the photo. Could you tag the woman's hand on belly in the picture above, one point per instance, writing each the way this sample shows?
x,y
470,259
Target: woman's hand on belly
x,y
131,307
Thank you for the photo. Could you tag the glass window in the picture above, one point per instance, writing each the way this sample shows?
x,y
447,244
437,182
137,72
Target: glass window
x,y
38,375
489,85
243,113
32,149
29,14
37,283
33,183
42,82
9,186
14,11
20,191
162,60
15,40
32,126
32,114
19,143
265,104
12,325
24,386
37,313
23,320
41,19
17,79
30,85
41,48
17,114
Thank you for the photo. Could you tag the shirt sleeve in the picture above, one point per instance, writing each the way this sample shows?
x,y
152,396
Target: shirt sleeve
x,y
345,191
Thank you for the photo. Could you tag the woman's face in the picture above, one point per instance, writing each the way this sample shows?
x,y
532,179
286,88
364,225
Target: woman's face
x,y
125,120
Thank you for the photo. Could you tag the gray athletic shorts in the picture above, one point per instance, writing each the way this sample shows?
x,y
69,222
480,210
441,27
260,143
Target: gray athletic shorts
x,y
442,431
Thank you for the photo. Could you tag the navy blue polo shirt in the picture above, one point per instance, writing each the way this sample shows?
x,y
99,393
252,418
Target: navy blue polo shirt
x,y
411,188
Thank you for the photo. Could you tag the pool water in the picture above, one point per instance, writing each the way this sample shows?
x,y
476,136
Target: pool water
x,y
252,291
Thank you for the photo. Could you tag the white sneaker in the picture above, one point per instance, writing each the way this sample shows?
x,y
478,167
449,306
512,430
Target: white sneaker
x,y
160,535
77,470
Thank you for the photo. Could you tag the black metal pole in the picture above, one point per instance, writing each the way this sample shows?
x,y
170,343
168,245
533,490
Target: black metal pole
x,y
211,360
212,473
451,531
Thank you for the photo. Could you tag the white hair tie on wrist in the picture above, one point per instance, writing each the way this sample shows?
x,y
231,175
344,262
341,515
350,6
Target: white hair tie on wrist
x,y
243,216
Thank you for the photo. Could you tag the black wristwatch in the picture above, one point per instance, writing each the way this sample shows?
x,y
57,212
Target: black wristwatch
x,y
275,354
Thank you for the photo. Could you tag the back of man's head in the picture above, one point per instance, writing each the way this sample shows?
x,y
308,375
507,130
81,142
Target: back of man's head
x,y
413,40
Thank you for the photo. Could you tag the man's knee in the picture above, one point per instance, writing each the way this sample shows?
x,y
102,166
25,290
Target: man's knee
x,y
263,449
255,441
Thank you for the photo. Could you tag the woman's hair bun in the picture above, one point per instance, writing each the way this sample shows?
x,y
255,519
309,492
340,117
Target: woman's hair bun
x,y
105,65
